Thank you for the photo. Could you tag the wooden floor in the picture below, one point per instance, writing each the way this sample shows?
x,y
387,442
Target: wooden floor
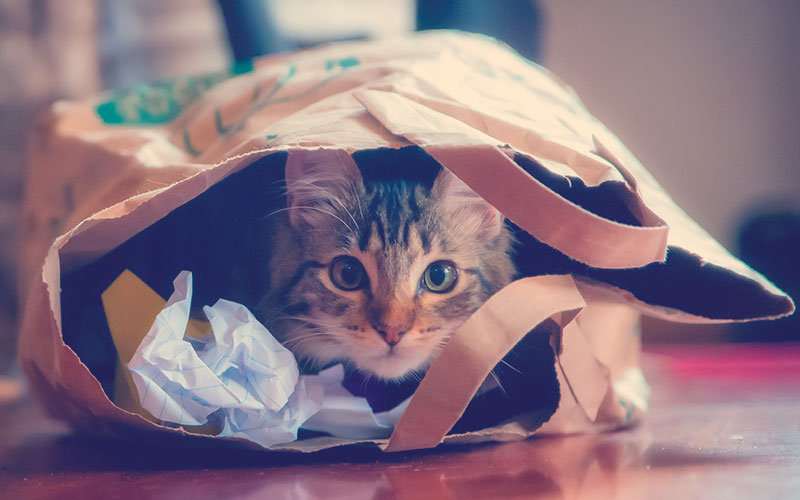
x,y
724,423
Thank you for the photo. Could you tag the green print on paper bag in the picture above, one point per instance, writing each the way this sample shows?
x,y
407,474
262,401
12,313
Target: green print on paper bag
x,y
333,69
162,102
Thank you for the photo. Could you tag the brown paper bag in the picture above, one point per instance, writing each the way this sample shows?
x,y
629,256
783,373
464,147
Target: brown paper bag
x,y
108,175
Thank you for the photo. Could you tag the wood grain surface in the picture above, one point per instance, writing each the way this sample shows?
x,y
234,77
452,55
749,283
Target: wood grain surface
x,y
724,423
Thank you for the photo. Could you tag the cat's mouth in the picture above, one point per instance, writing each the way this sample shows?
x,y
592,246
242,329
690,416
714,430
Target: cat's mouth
x,y
393,352
393,361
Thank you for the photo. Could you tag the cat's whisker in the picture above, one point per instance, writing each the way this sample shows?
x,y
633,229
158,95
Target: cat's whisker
x,y
414,375
311,322
304,342
358,205
365,381
312,348
301,338
326,212
314,361
299,317
309,338
310,207
440,345
318,332
348,212
276,212
508,365
499,384
279,182
339,202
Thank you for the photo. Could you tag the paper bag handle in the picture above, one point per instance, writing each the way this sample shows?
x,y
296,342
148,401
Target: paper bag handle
x,y
476,347
475,158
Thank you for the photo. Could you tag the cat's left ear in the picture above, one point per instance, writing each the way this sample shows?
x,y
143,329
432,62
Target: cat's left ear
x,y
468,211
318,183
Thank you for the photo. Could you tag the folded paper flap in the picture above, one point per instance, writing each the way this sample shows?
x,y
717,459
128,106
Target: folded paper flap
x,y
476,347
587,379
697,313
471,155
552,134
418,123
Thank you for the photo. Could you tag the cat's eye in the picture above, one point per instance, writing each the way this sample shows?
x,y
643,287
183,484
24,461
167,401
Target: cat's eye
x,y
347,273
440,277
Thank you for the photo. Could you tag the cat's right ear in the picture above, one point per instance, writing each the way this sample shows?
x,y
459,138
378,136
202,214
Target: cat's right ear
x,y
318,183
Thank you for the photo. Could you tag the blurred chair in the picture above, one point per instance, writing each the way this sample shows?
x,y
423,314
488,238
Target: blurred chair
x,y
250,28
252,31
515,22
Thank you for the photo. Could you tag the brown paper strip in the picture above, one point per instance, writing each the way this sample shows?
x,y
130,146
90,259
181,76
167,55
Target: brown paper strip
x,y
476,347
586,377
477,161
520,135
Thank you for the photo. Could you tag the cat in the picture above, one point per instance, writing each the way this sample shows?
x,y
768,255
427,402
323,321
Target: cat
x,y
377,271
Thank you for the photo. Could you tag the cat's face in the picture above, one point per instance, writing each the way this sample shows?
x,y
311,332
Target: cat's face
x,y
388,269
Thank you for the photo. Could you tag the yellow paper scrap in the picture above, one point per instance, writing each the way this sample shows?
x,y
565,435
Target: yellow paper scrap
x,y
131,308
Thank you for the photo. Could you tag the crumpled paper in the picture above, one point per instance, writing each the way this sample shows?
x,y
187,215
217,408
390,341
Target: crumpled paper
x,y
345,415
241,371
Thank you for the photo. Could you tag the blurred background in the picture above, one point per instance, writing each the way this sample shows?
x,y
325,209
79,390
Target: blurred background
x,y
704,93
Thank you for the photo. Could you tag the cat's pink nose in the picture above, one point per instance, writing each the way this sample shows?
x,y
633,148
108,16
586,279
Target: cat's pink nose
x,y
391,333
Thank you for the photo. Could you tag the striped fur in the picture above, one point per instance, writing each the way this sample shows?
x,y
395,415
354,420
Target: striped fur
x,y
395,228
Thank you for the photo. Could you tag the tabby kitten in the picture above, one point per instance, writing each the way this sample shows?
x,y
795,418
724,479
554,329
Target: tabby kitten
x,y
379,273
